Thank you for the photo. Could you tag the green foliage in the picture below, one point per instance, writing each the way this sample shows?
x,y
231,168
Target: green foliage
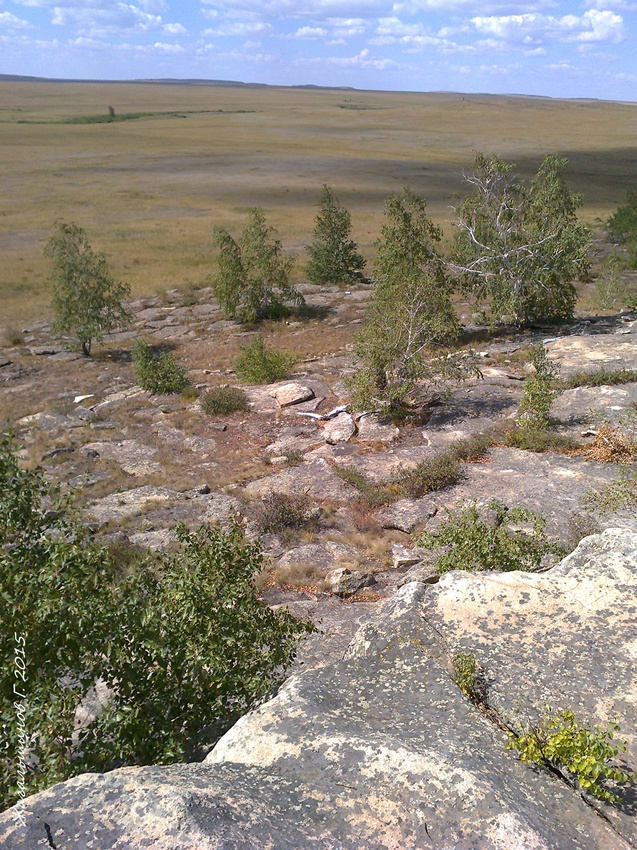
x,y
614,497
253,278
279,512
610,293
87,300
602,377
260,365
519,247
159,374
538,392
469,677
474,544
562,743
333,255
14,336
182,644
411,314
442,470
224,400
373,494
622,225
539,440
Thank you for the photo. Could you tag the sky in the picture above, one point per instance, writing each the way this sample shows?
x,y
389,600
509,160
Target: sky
x,y
556,48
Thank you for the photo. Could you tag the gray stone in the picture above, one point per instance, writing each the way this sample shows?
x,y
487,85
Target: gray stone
x,y
129,503
320,557
157,541
219,508
403,557
315,479
339,429
370,430
345,582
592,404
407,514
589,353
381,749
133,457
292,393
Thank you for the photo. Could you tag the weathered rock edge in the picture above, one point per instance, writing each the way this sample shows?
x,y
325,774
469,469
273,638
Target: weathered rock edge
x,y
381,749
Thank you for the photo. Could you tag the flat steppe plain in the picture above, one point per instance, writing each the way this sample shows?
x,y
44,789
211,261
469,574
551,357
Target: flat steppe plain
x,y
148,190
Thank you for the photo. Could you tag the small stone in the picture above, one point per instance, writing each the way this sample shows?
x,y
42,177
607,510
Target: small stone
x,y
339,429
292,393
404,557
345,582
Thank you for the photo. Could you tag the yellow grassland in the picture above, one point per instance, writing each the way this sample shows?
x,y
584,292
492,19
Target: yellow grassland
x,y
148,191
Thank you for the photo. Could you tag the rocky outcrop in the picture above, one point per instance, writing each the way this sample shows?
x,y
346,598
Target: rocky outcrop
x,y
382,750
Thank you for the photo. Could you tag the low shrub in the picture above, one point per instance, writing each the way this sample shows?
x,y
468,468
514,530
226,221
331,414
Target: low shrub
x,y
14,335
539,440
157,373
279,513
472,543
224,400
260,365
599,378
469,677
182,643
612,445
562,743
614,497
538,392
435,473
373,495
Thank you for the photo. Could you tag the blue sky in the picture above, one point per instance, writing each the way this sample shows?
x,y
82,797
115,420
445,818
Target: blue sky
x,y
580,48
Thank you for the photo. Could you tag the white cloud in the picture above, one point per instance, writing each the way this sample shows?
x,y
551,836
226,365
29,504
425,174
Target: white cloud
x,y
168,48
361,60
310,32
240,29
113,17
174,29
10,21
612,4
529,28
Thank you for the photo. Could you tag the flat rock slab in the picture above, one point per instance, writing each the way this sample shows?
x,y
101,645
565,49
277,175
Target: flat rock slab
x,y
133,457
594,404
381,749
315,479
551,484
589,353
567,637
321,557
407,514
372,430
202,446
119,506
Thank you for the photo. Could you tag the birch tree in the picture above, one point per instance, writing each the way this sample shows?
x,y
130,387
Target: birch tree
x,y
519,247
411,319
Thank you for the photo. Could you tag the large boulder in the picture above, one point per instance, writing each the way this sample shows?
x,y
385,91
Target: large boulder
x,y
381,749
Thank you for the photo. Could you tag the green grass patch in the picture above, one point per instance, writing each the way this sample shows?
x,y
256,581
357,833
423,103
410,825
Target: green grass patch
x,y
599,378
539,440
106,118
224,400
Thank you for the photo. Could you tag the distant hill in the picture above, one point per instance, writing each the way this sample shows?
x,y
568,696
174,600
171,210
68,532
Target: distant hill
x,y
18,78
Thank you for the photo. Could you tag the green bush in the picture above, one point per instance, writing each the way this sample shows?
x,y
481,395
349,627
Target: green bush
x,y
87,300
563,744
279,513
614,497
538,392
159,374
474,544
443,470
260,365
469,677
183,644
223,400
539,440
603,377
